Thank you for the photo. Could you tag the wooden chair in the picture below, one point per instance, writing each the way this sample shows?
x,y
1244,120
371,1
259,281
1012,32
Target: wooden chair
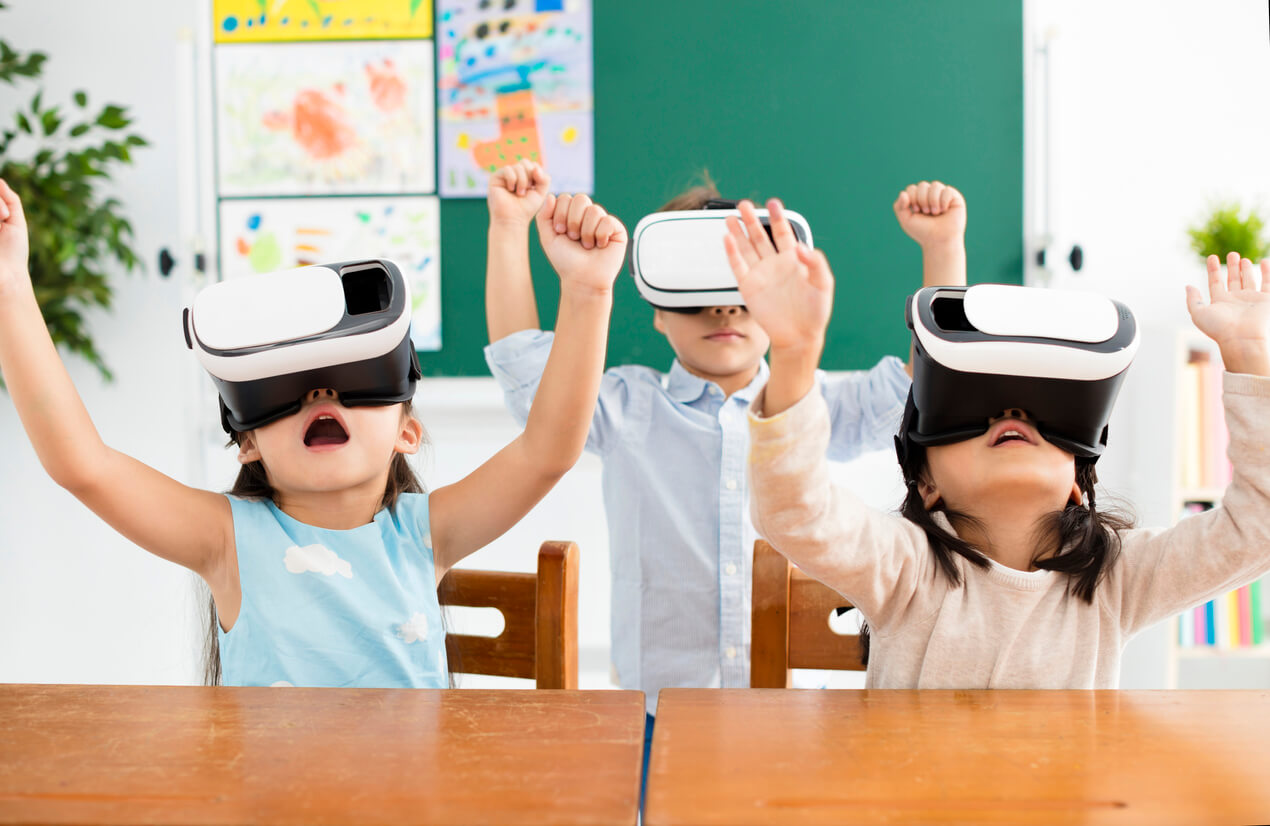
x,y
790,623
539,640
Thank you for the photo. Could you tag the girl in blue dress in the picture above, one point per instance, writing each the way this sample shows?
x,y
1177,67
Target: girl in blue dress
x,y
324,560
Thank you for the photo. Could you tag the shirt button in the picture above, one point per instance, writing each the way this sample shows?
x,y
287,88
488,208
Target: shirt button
x,y
731,652
730,484
731,569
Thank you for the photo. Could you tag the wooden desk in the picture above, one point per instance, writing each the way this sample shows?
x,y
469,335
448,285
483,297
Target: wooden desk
x,y
775,756
122,754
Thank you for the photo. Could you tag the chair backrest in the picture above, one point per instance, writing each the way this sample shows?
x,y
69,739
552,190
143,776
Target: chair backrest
x,y
540,619
790,623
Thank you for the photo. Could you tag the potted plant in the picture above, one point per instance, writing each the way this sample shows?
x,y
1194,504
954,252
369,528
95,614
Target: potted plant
x,y
1227,229
56,157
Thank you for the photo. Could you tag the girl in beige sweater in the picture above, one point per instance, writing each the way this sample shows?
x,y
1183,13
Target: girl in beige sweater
x,y
1014,580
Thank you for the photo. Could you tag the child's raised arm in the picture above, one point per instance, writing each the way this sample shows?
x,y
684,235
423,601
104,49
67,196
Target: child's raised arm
x,y
788,289
876,559
934,215
1164,572
188,526
516,193
587,247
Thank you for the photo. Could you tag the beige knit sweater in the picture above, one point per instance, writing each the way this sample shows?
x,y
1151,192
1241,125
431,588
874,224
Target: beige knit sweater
x,y
1002,628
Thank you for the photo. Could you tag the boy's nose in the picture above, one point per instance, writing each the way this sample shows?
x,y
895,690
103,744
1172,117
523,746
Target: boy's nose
x,y
732,310
320,393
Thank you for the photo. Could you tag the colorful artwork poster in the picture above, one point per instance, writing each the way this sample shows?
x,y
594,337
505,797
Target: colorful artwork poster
x,y
325,118
260,236
251,21
514,81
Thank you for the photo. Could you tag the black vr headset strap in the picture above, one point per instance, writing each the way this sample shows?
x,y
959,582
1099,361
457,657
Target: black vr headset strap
x,y
719,203
907,422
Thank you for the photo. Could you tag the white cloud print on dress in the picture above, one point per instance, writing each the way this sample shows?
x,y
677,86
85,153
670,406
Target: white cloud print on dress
x,y
317,558
415,630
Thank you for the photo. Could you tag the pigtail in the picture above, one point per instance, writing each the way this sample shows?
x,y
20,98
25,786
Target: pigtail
x,y
1085,541
943,544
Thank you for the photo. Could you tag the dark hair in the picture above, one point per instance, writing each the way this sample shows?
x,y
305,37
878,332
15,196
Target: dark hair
x,y
1084,541
253,483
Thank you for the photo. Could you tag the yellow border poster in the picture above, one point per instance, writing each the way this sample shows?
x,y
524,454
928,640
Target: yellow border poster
x,y
253,21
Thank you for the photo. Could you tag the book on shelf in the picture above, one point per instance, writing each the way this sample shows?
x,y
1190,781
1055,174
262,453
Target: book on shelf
x,y
1230,621
1205,465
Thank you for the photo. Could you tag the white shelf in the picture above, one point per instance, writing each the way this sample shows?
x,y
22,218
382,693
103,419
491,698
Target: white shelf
x,y
1209,652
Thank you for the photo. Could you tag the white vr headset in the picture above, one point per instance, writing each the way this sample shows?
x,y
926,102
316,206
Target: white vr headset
x,y
268,340
978,351
677,258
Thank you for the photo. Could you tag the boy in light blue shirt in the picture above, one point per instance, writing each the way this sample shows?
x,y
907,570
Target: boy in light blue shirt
x,y
674,445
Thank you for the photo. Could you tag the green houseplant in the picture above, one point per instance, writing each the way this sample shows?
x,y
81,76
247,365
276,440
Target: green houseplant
x,y
1226,229
77,234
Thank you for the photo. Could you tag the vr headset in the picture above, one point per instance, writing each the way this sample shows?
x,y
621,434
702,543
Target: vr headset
x,y
677,258
270,339
978,351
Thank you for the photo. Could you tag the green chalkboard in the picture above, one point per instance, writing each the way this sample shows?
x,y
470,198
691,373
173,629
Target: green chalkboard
x,y
832,105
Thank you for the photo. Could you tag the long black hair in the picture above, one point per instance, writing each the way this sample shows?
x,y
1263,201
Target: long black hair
x,y
1079,540
253,483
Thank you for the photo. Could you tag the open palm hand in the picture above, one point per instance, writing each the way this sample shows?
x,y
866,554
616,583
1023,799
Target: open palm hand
x,y
1238,315
787,287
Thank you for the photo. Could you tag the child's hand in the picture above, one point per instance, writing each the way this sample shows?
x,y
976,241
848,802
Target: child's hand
x,y
931,213
1238,317
516,193
14,247
585,245
788,288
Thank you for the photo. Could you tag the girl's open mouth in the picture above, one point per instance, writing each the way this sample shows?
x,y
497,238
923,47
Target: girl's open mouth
x,y
1010,431
325,431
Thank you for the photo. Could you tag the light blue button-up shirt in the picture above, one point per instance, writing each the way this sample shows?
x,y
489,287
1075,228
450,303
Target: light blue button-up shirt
x,y
681,544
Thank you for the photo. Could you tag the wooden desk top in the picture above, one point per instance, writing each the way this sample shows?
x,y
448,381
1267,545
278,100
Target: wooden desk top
x,y
164,754
833,757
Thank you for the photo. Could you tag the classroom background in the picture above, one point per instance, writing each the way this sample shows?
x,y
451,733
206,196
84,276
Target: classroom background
x,y
1104,127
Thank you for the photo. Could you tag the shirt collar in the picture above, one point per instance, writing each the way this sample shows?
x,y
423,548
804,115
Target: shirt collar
x,y
684,387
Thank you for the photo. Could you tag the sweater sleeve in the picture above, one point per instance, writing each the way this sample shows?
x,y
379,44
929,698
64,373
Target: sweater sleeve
x,y
877,561
1162,572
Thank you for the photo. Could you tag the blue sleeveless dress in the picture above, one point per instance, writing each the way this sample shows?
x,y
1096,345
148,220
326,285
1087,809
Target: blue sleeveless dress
x,y
355,608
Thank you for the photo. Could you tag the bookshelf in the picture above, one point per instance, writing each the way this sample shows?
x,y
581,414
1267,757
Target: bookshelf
x,y
1222,641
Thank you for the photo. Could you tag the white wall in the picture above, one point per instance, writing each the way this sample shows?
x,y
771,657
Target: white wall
x,y
77,602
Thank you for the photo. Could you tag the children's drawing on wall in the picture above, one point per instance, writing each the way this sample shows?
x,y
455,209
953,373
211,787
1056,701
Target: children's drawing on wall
x,y
514,81
325,118
260,236
244,21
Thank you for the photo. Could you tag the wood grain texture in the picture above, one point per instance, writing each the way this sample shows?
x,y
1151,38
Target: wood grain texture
x,y
539,640
200,755
556,630
789,624
1049,757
